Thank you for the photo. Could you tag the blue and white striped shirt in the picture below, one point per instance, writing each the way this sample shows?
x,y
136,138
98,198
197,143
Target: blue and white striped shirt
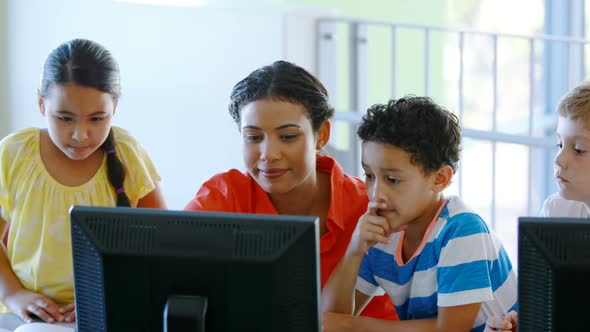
x,y
460,261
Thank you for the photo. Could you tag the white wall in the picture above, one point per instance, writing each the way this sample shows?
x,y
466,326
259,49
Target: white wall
x,y
178,66
4,112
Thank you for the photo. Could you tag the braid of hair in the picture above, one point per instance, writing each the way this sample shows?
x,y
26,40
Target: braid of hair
x,y
115,170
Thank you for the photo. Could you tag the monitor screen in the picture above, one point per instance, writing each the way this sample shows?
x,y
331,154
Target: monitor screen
x,y
255,272
554,274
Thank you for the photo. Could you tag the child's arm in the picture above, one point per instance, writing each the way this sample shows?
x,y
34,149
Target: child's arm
x,y
3,225
155,199
21,301
8,280
456,319
338,294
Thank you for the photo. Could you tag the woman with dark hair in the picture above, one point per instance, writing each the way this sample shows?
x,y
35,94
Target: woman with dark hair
x,y
79,159
283,115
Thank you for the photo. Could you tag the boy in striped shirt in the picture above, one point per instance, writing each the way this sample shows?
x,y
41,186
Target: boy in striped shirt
x,y
439,262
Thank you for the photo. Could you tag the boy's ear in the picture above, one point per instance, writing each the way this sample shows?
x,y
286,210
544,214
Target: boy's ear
x,y
323,135
442,178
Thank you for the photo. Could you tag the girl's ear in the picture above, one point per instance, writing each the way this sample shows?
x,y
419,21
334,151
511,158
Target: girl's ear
x,y
40,102
323,135
442,178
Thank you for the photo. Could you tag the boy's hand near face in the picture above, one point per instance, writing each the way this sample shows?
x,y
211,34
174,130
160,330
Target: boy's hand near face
x,y
339,294
370,230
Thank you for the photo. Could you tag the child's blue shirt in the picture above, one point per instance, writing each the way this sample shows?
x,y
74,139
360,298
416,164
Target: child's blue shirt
x,y
460,261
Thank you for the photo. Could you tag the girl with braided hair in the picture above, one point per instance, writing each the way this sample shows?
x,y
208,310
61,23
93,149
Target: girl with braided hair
x,y
79,159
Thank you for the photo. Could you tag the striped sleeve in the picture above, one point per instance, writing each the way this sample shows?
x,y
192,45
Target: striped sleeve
x,y
467,256
366,282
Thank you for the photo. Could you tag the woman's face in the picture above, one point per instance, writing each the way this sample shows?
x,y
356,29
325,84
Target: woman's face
x,y
278,144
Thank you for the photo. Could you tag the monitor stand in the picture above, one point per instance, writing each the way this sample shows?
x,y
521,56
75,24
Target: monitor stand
x,y
185,313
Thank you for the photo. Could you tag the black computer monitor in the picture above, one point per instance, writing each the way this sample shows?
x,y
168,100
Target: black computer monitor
x,y
255,272
554,274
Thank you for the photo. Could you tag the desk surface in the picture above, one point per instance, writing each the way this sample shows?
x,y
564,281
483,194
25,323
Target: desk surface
x,y
45,327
